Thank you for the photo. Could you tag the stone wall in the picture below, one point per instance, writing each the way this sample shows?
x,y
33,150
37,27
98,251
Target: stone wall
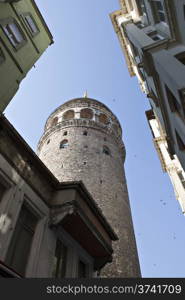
x,y
93,152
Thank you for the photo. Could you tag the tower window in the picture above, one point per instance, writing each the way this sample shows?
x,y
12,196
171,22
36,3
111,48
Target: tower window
x,y
65,133
85,133
106,150
48,142
64,144
54,121
69,114
103,119
86,113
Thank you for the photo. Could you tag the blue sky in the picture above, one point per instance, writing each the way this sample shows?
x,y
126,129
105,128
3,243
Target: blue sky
x,y
86,55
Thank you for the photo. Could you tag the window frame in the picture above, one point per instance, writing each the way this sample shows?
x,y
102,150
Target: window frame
x,y
106,150
16,45
2,56
86,265
181,177
180,143
28,26
57,271
180,57
86,113
157,11
142,7
20,224
65,145
155,34
174,105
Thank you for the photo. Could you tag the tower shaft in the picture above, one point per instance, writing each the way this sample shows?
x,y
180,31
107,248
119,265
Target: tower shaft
x,y
82,141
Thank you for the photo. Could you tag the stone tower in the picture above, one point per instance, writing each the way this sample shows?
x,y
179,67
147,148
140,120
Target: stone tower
x,y
82,140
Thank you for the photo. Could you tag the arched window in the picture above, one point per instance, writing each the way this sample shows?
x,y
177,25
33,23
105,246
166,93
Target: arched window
x,y
103,119
69,114
64,144
106,150
86,113
85,133
54,121
65,133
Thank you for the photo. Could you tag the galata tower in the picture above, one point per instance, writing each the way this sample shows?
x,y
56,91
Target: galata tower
x,y
82,140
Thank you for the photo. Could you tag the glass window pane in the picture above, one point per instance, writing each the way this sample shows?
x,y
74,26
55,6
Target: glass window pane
x,y
161,16
60,260
16,32
9,35
20,245
159,5
31,24
2,188
82,269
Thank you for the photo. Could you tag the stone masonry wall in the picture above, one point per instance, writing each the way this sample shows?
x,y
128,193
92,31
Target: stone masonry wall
x,y
84,158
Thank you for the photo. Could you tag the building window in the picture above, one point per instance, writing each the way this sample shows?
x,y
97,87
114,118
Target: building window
x,y
153,97
14,33
20,245
65,133
54,121
182,179
30,22
159,11
142,7
70,114
48,142
64,144
60,260
2,56
2,191
82,269
180,141
106,150
181,57
155,36
86,113
173,102
85,133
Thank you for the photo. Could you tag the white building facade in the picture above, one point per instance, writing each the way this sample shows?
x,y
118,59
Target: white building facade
x,y
152,36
